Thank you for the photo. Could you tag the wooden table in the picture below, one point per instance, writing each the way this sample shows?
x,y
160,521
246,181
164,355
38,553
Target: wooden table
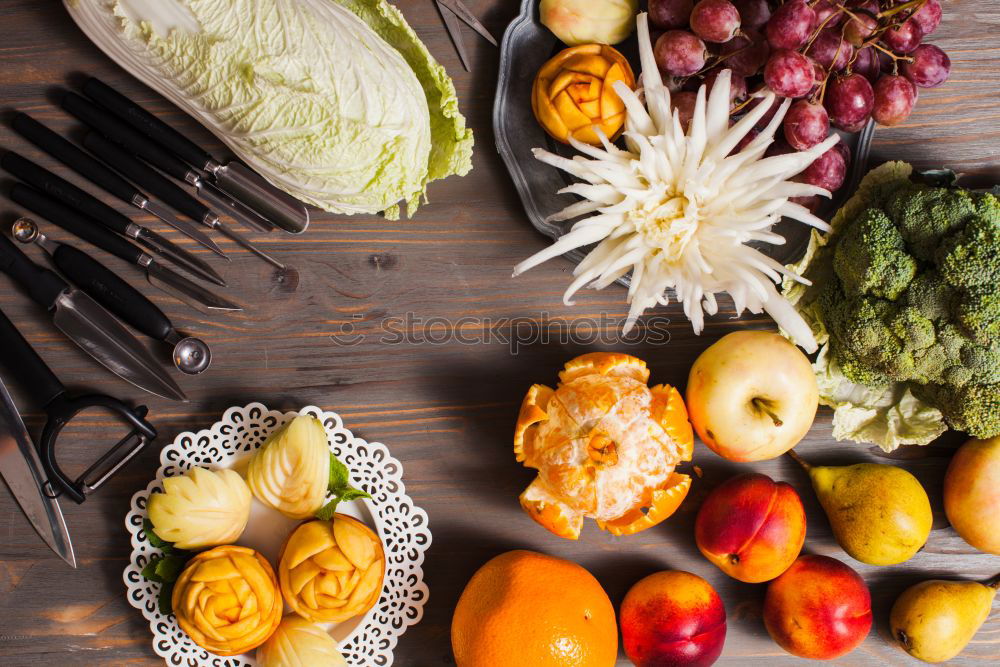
x,y
446,411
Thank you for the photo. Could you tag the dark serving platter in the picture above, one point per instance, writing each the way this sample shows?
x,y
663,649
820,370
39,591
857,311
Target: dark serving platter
x,y
526,45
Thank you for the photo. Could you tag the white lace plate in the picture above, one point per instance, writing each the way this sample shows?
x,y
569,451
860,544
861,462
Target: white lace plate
x,y
402,526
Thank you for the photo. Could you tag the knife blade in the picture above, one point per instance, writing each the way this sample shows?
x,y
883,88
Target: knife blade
x,y
234,179
22,470
79,225
94,170
72,196
165,189
88,325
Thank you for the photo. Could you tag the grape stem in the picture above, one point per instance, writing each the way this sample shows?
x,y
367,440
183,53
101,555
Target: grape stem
x,y
914,4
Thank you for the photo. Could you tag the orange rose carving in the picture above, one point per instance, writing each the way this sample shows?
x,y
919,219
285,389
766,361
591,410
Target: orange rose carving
x,y
227,600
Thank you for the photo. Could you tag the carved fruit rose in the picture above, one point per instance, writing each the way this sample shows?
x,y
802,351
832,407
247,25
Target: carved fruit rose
x,y
574,92
227,600
331,570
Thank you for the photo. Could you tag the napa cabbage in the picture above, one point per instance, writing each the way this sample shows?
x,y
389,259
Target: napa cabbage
x,y
337,102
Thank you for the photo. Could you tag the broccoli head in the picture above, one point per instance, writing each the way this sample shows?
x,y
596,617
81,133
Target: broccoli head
x,y
914,297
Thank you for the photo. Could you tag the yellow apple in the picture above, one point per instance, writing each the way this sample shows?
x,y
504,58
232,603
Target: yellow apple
x,y
752,396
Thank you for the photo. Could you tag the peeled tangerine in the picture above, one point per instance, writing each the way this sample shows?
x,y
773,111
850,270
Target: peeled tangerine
x,y
203,508
605,446
291,470
331,571
573,93
227,600
299,643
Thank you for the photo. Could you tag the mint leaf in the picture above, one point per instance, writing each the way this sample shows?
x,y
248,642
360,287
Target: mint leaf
x,y
354,494
326,512
340,476
165,599
169,568
149,572
164,569
341,489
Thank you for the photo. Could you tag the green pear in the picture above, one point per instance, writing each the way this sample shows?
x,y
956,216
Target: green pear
x,y
935,619
880,514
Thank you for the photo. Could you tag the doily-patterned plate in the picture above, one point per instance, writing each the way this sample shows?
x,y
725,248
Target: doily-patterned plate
x,y
401,525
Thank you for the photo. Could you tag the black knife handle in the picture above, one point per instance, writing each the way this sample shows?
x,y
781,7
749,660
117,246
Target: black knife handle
x,y
115,130
147,123
76,159
75,223
21,361
45,181
107,289
146,177
41,284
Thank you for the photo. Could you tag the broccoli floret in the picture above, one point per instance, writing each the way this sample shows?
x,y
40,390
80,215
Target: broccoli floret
x,y
970,257
871,258
925,215
972,408
930,295
988,207
979,313
914,297
983,363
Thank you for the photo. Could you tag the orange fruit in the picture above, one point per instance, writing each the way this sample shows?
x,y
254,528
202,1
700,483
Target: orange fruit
x,y
527,609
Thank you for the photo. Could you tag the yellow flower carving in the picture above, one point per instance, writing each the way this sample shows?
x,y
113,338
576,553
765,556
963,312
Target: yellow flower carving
x,y
227,600
331,570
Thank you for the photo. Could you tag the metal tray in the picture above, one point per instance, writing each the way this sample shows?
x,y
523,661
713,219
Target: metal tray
x,y
526,45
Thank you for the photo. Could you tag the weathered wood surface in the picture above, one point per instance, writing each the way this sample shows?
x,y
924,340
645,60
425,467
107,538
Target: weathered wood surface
x,y
445,410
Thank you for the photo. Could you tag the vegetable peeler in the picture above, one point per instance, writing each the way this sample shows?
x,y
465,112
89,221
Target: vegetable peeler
x,y
22,362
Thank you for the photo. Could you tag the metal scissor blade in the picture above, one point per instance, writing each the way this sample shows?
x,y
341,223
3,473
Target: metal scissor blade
x,y
186,290
184,227
107,340
23,472
470,19
179,256
454,27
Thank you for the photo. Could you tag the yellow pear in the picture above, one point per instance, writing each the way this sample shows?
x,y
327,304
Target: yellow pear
x,y
935,619
880,514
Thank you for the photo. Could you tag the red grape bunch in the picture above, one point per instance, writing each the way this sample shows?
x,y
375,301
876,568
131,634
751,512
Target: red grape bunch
x,y
844,62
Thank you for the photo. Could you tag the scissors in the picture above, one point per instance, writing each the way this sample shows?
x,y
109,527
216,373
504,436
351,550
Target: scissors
x,y
453,10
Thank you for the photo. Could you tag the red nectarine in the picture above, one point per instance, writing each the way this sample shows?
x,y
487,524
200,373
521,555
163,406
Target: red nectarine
x,y
819,608
673,618
751,527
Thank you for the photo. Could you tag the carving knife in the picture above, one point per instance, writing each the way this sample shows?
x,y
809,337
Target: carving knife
x,y
88,325
94,170
165,189
234,179
70,195
22,470
114,130
157,274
